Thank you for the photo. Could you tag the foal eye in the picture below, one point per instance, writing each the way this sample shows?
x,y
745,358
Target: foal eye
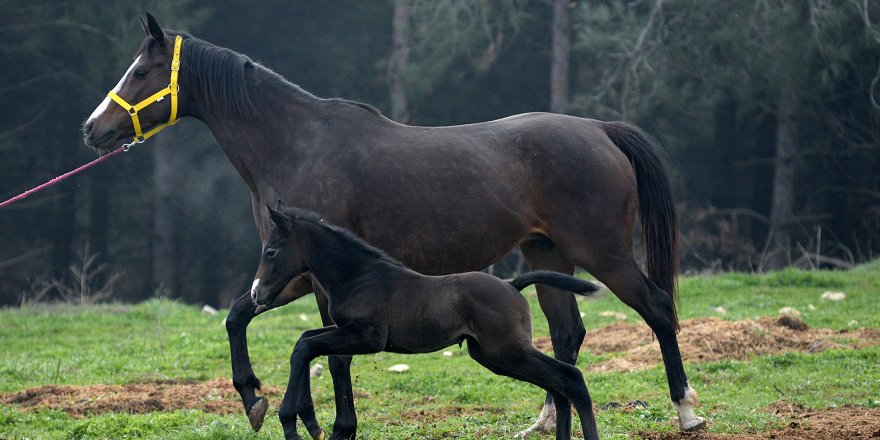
x,y
271,252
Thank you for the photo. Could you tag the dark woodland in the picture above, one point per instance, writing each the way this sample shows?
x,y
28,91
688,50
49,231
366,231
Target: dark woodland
x,y
768,112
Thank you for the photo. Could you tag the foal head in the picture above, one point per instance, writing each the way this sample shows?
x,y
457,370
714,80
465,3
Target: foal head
x,y
145,97
282,258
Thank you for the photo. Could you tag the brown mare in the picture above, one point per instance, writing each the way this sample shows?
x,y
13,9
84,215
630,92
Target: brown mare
x,y
442,200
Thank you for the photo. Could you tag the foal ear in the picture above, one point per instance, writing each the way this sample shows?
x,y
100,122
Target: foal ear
x,y
278,218
152,28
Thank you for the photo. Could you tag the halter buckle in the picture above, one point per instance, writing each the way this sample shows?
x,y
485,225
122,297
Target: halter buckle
x,y
140,139
175,65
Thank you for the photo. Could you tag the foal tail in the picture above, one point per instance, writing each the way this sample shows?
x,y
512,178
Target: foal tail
x,y
656,205
554,279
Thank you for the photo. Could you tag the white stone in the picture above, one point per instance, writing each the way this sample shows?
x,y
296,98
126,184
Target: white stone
x,y
399,368
209,310
833,296
790,311
316,370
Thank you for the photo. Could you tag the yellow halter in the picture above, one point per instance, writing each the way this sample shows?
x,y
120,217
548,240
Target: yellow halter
x,y
172,89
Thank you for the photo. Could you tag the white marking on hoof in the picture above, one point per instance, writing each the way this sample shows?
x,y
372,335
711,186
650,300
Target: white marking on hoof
x,y
546,422
687,420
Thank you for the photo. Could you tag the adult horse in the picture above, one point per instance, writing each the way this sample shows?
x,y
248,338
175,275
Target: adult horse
x,y
566,190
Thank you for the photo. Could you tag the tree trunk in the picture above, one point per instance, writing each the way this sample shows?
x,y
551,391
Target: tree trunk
x,y
782,210
399,61
559,68
724,193
165,245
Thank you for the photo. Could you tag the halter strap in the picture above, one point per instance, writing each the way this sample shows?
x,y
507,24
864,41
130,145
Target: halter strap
x,y
172,89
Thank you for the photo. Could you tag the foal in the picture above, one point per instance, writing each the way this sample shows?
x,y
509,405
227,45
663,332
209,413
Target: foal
x,y
378,304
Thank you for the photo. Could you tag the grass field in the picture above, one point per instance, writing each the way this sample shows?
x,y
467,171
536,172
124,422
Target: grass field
x,y
440,396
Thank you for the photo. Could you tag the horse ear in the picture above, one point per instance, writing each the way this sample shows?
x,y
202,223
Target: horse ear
x,y
154,30
278,218
144,25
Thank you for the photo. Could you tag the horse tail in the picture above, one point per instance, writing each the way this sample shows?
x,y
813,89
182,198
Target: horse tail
x,y
554,279
656,205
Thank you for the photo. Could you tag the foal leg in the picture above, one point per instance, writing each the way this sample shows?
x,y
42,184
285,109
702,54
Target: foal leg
x,y
562,381
566,327
345,425
327,341
304,405
563,423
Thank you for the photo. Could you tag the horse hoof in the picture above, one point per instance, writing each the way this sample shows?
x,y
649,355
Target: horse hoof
x,y
320,435
697,424
258,413
545,423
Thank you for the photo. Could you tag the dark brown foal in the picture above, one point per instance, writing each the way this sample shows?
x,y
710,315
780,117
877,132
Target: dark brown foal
x,y
378,304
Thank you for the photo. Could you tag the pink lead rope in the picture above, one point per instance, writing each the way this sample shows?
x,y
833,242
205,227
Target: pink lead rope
x,y
66,175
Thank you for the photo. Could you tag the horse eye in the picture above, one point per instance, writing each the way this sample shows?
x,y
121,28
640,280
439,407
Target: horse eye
x,y
271,252
140,74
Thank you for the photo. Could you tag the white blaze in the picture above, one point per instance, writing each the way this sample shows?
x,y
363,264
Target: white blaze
x,y
254,289
102,107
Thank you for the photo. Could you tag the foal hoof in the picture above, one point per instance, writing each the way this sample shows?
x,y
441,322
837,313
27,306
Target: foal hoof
x,y
258,413
320,435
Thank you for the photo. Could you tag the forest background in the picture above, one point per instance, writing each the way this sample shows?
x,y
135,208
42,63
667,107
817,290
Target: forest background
x,y
768,110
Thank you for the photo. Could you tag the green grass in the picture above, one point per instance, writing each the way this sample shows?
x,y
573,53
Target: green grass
x,y
440,397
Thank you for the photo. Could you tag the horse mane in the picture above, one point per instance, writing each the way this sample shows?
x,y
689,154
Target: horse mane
x,y
218,74
349,238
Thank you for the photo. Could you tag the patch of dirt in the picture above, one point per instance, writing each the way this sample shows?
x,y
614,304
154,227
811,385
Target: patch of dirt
x,y
847,422
215,396
711,339
425,416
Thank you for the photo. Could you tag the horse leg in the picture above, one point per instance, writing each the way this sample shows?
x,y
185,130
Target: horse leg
x,y
345,425
244,380
566,328
326,341
656,308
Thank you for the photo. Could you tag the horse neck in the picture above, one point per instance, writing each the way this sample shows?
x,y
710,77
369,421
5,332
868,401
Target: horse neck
x,y
258,147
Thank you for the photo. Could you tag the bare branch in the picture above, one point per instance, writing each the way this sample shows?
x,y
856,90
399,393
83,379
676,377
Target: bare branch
x,y
25,256
23,126
64,22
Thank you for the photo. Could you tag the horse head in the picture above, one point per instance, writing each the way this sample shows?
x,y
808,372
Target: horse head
x,y
145,99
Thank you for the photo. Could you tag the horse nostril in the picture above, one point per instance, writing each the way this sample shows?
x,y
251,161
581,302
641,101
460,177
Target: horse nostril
x,y
87,128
